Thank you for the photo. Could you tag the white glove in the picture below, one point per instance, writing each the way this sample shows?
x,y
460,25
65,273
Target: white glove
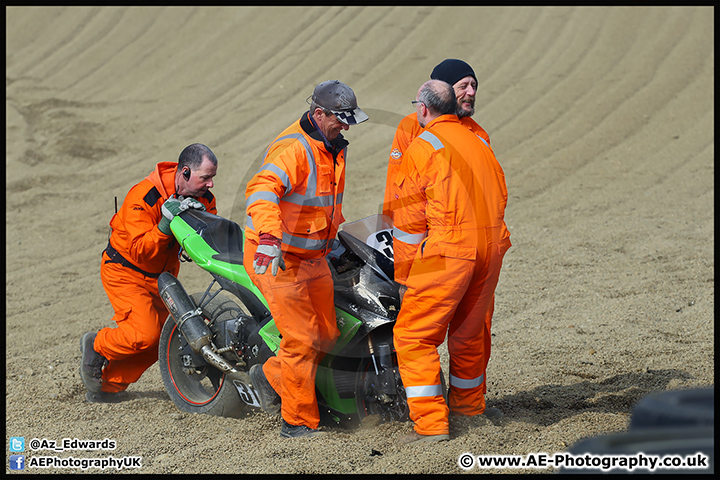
x,y
268,252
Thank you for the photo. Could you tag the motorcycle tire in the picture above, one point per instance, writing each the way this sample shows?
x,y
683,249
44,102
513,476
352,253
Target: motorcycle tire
x,y
686,444
675,408
198,390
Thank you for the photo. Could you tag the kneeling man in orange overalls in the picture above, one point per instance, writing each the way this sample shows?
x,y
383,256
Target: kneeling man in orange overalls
x,y
140,248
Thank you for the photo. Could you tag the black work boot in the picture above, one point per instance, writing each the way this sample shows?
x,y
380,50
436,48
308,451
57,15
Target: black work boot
x,y
269,399
294,431
92,364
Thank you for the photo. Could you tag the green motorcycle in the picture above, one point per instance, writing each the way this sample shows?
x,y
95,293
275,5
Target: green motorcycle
x,y
212,338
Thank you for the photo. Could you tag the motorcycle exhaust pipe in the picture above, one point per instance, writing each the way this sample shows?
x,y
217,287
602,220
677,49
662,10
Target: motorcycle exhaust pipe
x,y
189,321
183,310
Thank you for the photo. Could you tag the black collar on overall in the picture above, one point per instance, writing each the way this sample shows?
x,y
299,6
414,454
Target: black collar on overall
x,y
333,146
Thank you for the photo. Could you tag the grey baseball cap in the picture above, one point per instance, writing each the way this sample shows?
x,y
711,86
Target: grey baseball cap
x,y
337,97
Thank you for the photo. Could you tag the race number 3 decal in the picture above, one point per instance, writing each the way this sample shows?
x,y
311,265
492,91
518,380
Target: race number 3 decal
x,y
382,241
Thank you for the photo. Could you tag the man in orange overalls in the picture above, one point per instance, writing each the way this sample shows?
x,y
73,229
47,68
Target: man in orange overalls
x,y
294,209
140,248
449,240
462,77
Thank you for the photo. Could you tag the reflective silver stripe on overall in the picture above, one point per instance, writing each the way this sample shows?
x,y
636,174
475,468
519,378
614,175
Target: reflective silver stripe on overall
x,y
423,391
409,238
304,243
466,383
432,140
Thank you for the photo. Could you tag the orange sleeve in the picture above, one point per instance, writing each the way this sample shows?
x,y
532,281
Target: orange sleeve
x,y
475,128
406,131
410,224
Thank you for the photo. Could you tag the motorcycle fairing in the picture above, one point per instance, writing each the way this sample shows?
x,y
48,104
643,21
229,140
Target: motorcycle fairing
x,y
201,235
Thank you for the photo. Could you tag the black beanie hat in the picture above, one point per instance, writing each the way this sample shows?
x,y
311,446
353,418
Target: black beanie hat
x,y
451,71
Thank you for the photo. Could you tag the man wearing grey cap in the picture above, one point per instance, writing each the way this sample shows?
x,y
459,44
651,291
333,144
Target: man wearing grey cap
x,y
463,80
294,209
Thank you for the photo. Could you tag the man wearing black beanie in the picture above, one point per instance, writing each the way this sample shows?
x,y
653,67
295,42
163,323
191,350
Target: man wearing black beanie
x,y
463,80
462,77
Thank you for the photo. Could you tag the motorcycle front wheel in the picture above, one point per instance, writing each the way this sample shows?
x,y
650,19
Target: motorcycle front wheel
x,y
194,385
368,402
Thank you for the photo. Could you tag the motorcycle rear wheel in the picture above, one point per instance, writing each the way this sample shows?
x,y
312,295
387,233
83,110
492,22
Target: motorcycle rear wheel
x,y
199,389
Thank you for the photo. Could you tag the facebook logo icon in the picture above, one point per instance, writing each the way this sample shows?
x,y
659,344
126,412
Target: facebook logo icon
x,y
17,462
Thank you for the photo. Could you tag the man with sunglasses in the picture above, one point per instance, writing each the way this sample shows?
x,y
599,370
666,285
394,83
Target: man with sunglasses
x,y
449,237
294,209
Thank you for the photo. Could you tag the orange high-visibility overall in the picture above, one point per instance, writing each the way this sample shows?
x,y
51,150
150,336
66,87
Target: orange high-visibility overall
x,y
136,255
449,240
406,131
296,196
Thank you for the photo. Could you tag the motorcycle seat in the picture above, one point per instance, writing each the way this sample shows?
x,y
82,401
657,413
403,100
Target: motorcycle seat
x,y
222,235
